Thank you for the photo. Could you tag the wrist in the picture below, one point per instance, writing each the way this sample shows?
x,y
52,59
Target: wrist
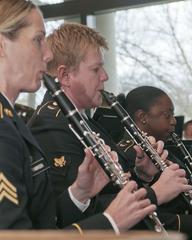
x,y
80,194
158,194
113,223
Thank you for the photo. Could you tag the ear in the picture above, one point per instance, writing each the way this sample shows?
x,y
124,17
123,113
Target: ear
x,y
63,75
141,117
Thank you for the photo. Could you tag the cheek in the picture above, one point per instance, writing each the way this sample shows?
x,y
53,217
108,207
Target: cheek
x,y
155,127
78,89
162,129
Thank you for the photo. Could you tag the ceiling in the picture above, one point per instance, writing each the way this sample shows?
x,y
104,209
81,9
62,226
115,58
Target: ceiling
x,y
82,8
44,2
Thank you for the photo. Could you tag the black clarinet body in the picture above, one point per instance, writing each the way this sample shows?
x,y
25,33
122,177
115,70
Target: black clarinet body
x,y
97,146
140,138
187,161
135,133
83,132
187,158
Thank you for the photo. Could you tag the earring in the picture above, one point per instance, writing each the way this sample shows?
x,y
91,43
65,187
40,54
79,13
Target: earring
x,y
143,121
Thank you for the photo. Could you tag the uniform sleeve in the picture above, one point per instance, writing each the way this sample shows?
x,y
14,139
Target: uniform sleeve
x,y
184,224
96,222
13,193
61,147
70,217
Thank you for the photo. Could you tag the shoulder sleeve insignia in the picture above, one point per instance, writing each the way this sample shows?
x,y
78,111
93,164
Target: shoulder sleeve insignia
x,y
59,162
125,145
8,190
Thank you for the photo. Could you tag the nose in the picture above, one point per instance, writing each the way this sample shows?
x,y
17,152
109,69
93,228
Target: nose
x,y
173,121
48,55
104,76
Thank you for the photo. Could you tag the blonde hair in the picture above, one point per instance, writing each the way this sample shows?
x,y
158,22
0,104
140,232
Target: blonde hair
x,y
13,15
69,44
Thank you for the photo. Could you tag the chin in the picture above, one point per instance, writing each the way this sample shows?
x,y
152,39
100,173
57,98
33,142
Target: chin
x,y
37,86
99,102
32,89
165,138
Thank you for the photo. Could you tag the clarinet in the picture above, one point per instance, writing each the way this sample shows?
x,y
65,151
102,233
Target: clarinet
x,y
135,133
140,138
187,160
97,145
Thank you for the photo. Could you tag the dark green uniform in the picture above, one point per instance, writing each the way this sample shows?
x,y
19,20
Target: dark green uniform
x,y
65,153
26,197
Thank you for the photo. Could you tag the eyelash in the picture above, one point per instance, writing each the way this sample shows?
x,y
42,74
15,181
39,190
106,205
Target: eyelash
x,y
168,115
38,40
96,70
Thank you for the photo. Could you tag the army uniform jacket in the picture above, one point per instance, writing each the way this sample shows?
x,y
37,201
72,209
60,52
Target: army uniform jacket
x,y
26,196
65,153
62,148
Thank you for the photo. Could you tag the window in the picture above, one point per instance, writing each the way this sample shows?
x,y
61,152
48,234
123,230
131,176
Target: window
x,y
154,46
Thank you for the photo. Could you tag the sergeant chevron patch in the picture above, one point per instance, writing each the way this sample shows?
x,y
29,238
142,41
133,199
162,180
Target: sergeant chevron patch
x,y
7,190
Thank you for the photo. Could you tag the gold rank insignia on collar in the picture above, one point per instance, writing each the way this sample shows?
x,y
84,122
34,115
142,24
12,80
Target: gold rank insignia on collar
x,y
6,111
125,145
1,110
8,190
59,162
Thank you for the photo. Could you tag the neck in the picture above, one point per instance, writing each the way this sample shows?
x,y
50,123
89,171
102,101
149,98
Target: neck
x,y
9,93
7,86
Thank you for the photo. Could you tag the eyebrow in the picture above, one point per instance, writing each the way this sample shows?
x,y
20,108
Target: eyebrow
x,y
96,64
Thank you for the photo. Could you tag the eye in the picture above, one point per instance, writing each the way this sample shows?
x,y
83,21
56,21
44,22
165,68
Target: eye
x,y
168,115
96,69
38,40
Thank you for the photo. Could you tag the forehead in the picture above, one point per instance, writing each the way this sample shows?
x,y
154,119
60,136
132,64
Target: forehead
x,y
163,102
189,126
94,56
35,21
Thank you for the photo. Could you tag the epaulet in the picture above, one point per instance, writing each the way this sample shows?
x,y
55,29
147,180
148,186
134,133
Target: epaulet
x,y
5,112
125,145
50,105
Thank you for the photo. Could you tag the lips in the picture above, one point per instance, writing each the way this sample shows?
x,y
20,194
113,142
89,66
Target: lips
x,y
100,90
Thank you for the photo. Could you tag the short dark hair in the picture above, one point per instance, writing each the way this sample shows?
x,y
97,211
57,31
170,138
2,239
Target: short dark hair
x,y
142,98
